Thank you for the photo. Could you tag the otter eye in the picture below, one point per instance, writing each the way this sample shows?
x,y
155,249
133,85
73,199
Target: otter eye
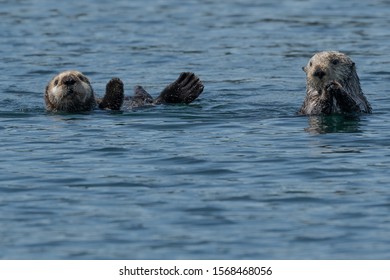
x,y
83,78
311,64
55,82
335,61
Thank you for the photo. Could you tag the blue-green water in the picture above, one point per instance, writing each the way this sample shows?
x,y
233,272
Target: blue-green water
x,y
235,175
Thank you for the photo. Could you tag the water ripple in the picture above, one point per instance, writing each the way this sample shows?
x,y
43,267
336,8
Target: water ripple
x,y
235,175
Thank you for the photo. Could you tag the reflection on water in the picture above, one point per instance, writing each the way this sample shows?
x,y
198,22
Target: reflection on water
x,y
340,123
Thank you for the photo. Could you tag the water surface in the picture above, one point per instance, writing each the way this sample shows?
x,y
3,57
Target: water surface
x,y
235,175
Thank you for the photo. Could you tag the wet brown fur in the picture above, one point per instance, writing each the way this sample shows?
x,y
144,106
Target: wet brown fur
x,y
333,86
71,91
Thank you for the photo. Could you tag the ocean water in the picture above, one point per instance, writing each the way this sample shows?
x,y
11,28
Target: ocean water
x,y
234,175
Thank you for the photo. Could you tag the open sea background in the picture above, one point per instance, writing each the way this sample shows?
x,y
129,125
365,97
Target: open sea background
x,y
235,175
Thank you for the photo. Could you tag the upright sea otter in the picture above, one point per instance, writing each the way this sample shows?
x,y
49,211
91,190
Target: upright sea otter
x,y
71,91
333,86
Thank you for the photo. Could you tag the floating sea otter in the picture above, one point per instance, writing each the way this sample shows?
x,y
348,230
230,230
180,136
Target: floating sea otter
x,y
333,86
71,91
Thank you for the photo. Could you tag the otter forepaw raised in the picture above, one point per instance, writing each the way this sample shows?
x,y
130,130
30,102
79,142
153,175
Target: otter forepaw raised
x,y
114,96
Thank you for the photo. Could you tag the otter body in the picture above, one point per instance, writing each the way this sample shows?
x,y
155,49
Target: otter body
x,y
71,92
333,86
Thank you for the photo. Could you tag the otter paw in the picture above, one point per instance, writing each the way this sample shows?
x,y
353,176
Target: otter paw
x,y
185,89
333,87
114,96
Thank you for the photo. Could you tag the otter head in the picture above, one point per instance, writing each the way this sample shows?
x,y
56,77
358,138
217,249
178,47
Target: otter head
x,y
326,67
69,91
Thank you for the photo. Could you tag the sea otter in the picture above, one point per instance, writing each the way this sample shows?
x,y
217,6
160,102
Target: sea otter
x,y
332,86
71,92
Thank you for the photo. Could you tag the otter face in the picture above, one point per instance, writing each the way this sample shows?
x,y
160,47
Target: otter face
x,y
333,86
326,67
69,91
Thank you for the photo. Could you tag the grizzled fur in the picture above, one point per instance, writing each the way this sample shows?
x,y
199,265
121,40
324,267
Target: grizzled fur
x,y
71,92
333,86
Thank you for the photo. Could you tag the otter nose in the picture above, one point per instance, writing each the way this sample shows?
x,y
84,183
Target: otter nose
x,y
69,81
319,73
